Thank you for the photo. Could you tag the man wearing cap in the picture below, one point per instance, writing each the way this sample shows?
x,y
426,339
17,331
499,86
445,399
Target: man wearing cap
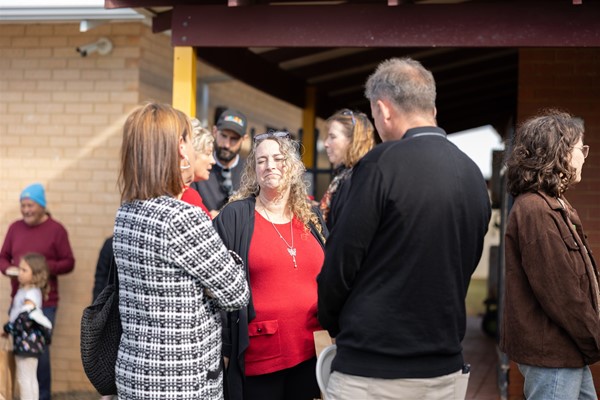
x,y
230,133
38,232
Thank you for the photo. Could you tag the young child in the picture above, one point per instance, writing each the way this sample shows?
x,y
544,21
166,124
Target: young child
x,y
27,324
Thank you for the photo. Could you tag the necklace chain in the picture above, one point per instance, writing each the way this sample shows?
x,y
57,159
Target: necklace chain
x,y
290,247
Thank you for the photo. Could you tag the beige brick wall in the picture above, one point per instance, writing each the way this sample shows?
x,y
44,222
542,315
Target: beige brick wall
x,y
261,109
61,117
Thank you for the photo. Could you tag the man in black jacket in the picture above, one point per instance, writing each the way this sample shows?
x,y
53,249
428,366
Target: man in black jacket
x,y
399,261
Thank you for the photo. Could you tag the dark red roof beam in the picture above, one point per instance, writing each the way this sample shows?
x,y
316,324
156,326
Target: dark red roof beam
x,y
506,24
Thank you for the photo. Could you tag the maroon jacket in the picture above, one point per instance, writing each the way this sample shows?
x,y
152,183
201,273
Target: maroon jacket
x,y
50,239
551,313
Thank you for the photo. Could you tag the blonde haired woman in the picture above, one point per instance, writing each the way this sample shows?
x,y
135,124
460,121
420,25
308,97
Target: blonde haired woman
x,y
203,143
199,169
350,135
174,272
270,223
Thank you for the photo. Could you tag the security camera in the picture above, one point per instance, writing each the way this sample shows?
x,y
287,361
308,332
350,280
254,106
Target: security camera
x,y
103,46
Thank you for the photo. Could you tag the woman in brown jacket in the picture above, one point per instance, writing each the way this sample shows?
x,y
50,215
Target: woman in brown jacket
x,y
551,322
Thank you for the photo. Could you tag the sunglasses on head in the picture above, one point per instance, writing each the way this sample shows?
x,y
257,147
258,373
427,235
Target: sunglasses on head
x,y
262,136
351,114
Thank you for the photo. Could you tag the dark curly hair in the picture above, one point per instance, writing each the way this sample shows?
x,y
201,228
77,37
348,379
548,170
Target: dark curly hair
x,y
541,153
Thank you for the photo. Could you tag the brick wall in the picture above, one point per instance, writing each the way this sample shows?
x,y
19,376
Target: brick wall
x,y
61,117
569,79
261,109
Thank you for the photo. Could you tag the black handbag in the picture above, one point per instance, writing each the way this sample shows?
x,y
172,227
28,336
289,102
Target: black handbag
x,y
100,337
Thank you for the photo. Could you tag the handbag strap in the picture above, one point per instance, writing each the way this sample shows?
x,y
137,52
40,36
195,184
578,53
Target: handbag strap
x,y
112,272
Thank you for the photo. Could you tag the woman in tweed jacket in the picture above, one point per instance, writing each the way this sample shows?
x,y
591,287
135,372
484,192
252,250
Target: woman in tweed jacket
x,y
175,274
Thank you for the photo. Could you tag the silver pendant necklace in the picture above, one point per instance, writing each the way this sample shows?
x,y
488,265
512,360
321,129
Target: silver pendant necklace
x,y
290,247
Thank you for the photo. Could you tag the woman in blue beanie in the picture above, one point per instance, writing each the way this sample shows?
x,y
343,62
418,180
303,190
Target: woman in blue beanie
x,y
38,232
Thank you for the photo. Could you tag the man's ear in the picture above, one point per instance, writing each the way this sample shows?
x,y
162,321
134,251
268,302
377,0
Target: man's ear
x,y
385,109
214,131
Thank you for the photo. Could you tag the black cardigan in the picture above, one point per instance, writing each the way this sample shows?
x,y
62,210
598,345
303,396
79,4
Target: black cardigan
x,y
235,225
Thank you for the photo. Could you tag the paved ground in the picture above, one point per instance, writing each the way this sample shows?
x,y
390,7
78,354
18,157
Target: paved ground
x,y
479,349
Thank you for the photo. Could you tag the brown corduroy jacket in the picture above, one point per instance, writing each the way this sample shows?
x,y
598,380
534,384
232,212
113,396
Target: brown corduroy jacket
x,y
551,312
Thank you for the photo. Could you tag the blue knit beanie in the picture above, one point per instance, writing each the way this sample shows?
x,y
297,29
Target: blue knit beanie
x,y
36,193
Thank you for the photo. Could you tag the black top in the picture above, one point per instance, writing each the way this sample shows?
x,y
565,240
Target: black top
x,y
214,194
339,197
103,268
400,258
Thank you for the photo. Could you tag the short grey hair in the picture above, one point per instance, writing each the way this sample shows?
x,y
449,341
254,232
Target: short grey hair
x,y
405,82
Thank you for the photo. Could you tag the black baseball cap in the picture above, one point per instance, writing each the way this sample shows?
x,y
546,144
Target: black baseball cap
x,y
234,121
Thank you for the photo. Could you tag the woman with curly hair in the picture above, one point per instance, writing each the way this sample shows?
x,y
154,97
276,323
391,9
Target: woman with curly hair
x,y
350,135
269,221
551,319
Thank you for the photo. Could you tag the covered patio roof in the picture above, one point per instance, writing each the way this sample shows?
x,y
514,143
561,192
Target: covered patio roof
x,y
283,47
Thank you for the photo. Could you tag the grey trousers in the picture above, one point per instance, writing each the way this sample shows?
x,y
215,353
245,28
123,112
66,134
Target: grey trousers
x,y
350,387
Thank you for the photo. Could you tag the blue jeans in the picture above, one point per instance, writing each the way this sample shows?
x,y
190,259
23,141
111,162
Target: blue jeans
x,y
43,372
558,383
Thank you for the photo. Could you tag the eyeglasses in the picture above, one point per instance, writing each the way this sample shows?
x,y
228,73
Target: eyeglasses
x,y
226,184
279,134
351,114
585,150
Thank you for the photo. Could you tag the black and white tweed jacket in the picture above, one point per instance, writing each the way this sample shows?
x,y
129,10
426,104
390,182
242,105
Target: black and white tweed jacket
x,y
174,276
